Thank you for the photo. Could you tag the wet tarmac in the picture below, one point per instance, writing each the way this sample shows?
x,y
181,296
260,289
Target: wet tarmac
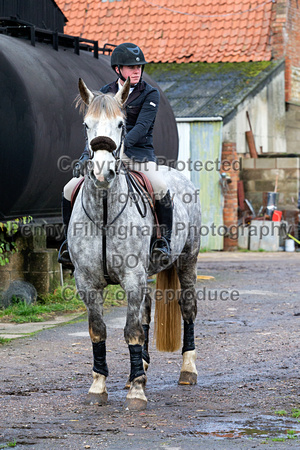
x,y
248,391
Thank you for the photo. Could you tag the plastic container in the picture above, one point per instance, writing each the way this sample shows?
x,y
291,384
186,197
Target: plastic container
x,y
277,215
289,245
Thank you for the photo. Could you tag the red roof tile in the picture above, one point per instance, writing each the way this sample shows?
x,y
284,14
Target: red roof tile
x,y
176,30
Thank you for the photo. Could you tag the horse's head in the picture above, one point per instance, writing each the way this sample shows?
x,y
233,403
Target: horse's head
x,y
104,121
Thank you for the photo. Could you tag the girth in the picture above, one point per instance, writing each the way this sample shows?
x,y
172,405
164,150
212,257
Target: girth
x,y
138,183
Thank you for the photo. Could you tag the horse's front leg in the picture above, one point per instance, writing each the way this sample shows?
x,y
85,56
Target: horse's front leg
x,y
135,337
146,319
188,303
93,299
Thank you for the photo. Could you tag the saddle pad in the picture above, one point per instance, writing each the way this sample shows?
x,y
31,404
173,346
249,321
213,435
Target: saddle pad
x,y
76,191
144,181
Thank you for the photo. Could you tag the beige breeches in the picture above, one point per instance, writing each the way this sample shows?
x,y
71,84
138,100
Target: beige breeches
x,y
69,187
149,168
152,171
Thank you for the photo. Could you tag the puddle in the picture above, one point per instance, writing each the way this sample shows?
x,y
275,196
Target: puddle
x,y
264,427
224,322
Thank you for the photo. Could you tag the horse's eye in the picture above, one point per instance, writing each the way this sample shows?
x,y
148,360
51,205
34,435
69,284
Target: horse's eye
x,y
85,125
120,124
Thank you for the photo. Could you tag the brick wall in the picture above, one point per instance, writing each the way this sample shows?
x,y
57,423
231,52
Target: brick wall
x,y
230,210
293,51
285,43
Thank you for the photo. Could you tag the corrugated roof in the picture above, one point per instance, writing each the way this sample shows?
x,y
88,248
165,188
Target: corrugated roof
x,y
177,30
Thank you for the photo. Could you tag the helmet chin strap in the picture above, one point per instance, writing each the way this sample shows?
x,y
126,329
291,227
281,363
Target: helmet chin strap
x,y
124,79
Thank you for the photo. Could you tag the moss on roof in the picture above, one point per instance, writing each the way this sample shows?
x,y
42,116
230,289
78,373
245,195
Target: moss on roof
x,y
210,90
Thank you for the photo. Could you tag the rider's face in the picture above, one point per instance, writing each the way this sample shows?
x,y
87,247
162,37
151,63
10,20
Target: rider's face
x,y
134,72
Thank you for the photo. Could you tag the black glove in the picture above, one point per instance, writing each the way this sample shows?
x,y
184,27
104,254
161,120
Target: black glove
x,y
80,167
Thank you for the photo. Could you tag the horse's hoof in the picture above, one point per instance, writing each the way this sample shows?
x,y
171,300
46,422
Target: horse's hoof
x,y
187,378
135,404
127,385
96,399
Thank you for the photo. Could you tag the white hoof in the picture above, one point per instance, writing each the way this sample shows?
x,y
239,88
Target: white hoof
x,y
97,393
188,374
136,398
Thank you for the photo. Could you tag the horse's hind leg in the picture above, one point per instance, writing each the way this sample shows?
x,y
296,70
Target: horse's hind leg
x,y
187,273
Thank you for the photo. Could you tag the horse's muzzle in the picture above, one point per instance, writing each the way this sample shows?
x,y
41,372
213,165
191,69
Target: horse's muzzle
x,y
103,181
103,143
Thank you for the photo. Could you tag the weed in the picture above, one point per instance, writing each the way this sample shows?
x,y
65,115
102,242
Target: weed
x,y
291,434
281,412
8,444
296,413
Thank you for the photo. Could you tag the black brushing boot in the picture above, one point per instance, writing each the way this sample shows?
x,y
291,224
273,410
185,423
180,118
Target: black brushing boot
x,y
161,250
63,254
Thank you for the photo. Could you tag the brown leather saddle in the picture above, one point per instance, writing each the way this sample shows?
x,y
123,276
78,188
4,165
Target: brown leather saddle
x,y
140,183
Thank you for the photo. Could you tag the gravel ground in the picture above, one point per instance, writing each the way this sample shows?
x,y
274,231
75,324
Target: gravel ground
x,y
248,371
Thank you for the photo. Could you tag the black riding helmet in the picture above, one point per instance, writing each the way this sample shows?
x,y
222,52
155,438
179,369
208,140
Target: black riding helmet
x,y
127,54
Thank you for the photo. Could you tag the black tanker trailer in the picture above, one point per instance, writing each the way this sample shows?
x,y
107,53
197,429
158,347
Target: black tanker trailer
x,y
41,131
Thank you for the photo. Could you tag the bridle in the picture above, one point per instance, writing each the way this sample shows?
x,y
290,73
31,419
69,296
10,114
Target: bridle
x,y
132,189
116,152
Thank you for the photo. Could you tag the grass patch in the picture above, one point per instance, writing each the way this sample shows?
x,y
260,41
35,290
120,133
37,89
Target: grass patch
x,y
63,300
4,341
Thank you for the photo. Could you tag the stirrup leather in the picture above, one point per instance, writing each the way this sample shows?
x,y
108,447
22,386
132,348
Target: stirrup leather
x,y
63,255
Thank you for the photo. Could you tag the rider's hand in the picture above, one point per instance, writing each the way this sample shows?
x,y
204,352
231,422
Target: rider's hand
x,y
80,168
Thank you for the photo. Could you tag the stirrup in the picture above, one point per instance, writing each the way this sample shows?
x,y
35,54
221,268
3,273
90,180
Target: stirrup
x,y
63,255
160,252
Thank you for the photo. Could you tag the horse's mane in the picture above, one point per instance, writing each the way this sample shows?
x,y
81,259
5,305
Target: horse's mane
x,y
101,104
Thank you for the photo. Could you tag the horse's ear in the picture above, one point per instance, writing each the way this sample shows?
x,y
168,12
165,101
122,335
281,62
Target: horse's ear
x,y
85,93
122,95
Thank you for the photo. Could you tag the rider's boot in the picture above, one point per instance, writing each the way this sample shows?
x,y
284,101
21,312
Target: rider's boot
x,y
63,254
161,250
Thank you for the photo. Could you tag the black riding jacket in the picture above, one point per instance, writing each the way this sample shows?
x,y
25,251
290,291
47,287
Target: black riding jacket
x,y
141,109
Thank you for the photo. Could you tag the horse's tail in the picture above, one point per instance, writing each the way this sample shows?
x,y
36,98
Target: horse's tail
x,y
167,319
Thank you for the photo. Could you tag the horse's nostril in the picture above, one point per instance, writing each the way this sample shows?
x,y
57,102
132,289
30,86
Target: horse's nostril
x,y
110,176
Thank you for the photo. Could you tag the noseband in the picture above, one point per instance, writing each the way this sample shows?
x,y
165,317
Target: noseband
x,y
103,143
107,144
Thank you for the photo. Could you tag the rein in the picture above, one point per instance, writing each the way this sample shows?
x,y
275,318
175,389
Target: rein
x,y
103,229
133,188
131,185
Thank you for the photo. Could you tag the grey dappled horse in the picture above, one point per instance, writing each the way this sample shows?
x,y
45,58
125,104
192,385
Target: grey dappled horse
x,y
126,260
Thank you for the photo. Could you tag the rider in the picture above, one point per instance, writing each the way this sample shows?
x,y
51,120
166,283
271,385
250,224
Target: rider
x,y
128,60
